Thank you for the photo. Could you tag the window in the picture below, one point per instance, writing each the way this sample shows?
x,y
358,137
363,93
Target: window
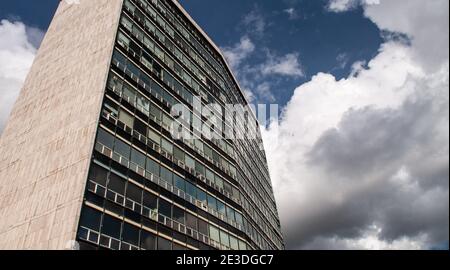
x,y
203,227
105,138
159,52
116,183
234,243
227,187
189,162
167,146
178,214
242,245
164,244
167,121
178,153
134,192
179,182
166,175
221,207
200,168
208,151
150,200
224,238
130,234
150,45
142,104
165,208
152,167
230,213
191,221
155,114
90,218
137,158
238,218
122,149
98,174
126,118
111,226
123,40
219,181
210,175
201,196
214,233
212,202
148,240
140,127
154,136
191,189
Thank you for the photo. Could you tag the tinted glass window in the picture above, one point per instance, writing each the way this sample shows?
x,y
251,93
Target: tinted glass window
x,y
111,226
90,218
130,234
148,241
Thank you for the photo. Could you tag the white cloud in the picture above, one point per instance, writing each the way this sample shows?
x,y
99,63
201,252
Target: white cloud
x,y
287,65
345,5
292,13
16,56
363,162
255,78
239,52
255,22
426,22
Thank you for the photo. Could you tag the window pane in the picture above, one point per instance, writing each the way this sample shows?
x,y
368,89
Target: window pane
x,y
234,243
122,148
230,213
201,196
164,244
152,167
126,118
134,192
179,182
130,234
224,239
212,202
116,183
191,221
166,175
214,233
167,146
148,240
191,189
137,158
98,174
165,208
221,207
189,162
178,214
90,218
150,200
154,136
105,138
111,226
178,153
202,227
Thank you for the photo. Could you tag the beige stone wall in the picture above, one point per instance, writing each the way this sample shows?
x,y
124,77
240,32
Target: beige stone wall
x,y
47,143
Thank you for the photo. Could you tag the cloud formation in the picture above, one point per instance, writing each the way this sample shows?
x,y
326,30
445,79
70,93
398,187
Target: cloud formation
x,y
17,50
363,162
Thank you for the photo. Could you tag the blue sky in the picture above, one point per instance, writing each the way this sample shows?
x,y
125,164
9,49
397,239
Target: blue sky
x,y
321,41
360,157
324,41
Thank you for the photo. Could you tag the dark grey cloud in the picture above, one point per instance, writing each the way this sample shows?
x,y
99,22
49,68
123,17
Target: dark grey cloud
x,y
367,149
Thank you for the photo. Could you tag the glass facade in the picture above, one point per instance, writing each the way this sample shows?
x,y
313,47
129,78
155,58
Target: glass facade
x,y
148,189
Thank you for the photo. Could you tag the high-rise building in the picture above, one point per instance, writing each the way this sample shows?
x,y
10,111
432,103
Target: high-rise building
x,y
113,142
